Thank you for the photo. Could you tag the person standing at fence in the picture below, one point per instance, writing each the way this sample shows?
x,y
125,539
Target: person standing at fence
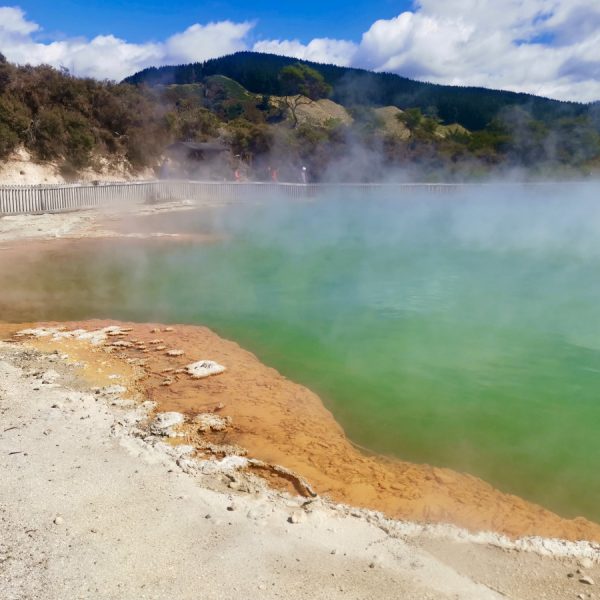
x,y
275,175
165,169
304,175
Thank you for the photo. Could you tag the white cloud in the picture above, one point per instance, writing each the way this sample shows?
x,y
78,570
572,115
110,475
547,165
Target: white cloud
x,y
547,47
201,42
12,20
109,57
323,50
537,46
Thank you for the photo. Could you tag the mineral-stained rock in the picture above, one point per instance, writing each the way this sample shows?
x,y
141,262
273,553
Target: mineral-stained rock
x,y
204,368
163,422
212,422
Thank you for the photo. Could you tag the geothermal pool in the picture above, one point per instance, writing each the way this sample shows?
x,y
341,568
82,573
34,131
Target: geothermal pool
x,y
462,331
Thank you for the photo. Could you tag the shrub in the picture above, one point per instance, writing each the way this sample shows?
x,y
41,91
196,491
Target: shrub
x,y
8,140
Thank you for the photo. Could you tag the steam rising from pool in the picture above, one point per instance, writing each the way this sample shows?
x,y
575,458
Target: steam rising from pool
x,y
461,330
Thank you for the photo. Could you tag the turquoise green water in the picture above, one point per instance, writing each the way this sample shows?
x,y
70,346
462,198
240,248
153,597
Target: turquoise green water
x,y
462,332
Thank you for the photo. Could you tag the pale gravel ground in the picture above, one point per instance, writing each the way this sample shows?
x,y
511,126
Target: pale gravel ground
x,y
82,224
134,525
21,227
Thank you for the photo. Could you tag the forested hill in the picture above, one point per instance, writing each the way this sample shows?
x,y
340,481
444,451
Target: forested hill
x,y
77,124
472,107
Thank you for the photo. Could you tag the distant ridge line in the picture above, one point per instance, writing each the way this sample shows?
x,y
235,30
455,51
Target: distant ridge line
x,y
471,106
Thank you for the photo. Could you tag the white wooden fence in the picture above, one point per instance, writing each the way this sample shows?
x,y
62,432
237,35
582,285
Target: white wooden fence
x,y
25,199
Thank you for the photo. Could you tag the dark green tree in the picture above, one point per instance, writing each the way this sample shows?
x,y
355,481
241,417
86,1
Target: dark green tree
x,y
301,85
4,73
411,117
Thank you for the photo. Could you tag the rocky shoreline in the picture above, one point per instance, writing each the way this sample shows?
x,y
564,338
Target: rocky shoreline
x,y
103,497
284,425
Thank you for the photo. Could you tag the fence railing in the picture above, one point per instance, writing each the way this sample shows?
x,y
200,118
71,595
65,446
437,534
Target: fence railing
x,y
26,199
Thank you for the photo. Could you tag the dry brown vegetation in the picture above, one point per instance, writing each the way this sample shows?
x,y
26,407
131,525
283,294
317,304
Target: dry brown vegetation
x,y
76,122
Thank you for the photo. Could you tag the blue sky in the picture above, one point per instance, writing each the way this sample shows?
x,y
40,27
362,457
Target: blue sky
x,y
544,47
139,20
